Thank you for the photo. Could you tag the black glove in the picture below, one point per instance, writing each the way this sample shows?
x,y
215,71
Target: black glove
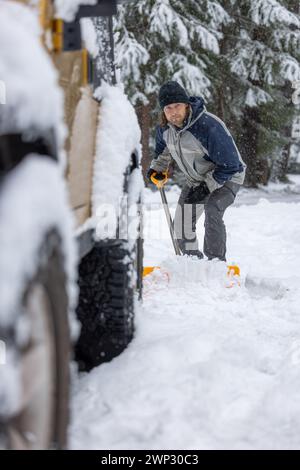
x,y
198,194
158,176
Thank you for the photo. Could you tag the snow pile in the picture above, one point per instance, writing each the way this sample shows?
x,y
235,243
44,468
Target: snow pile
x,y
182,271
34,101
118,137
210,367
186,270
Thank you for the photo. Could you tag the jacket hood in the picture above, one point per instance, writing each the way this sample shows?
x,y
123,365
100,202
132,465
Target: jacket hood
x,y
197,104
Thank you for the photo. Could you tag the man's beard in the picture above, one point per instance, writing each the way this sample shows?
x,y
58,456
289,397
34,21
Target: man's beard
x,y
178,121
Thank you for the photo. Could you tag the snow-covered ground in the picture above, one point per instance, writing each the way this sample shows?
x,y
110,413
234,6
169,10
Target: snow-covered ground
x,y
210,367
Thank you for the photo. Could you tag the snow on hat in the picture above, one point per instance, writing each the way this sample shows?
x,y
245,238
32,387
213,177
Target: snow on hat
x,y
172,92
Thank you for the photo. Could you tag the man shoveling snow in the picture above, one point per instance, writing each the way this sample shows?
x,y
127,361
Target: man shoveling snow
x,y
206,153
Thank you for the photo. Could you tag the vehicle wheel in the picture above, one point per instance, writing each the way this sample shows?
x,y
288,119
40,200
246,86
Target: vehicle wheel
x,y
108,278
37,274
42,419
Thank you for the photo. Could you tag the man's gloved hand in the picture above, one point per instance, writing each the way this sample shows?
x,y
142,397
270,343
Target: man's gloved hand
x,y
158,176
198,194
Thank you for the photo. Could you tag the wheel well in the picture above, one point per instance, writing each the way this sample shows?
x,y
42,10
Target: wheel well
x,y
14,148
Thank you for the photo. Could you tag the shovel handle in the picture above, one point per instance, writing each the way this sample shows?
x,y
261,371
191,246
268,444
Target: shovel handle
x,y
169,221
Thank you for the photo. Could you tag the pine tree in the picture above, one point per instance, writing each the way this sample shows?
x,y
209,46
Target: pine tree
x,y
262,53
158,40
241,56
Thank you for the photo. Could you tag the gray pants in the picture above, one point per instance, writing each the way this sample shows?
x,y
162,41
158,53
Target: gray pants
x,y
187,216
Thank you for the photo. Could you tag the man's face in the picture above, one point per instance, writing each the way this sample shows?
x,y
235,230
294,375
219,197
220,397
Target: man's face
x,y
176,113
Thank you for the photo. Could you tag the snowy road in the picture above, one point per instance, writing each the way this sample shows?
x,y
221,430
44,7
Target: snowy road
x,y
210,367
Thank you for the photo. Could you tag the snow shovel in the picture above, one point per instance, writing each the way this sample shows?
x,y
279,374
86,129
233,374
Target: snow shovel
x,y
233,271
160,185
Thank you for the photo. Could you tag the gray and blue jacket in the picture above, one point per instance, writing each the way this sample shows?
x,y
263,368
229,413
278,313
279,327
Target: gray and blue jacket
x,y
203,149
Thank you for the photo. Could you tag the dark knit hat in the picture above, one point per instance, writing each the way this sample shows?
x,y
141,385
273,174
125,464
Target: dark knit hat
x,y
172,92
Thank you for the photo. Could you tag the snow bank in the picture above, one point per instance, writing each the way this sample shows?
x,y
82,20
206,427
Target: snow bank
x,y
209,367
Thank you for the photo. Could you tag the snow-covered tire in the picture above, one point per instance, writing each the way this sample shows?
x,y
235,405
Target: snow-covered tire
x,y
41,421
34,318
108,277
